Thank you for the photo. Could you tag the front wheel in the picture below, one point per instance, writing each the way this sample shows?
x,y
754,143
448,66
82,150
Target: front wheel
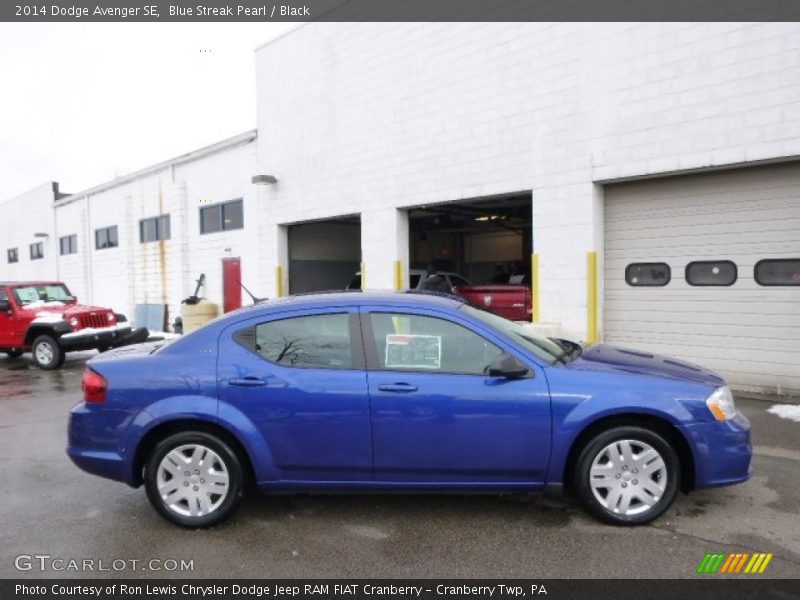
x,y
47,354
627,475
194,479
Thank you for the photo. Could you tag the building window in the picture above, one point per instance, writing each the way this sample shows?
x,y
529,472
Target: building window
x,y
106,237
222,217
777,271
711,273
37,250
13,255
154,229
648,274
68,244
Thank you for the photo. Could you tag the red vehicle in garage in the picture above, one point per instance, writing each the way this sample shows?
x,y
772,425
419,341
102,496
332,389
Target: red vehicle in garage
x,y
507,300
512,301
45,319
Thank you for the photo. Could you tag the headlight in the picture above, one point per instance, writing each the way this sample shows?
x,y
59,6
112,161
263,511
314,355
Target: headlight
x,y
720,403
74,321
111,317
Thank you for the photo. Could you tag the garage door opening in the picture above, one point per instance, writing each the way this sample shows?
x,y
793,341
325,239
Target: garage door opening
x,y
324,255
482,240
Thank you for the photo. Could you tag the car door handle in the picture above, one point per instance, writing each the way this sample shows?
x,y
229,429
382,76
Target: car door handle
x,y
247,382
402,388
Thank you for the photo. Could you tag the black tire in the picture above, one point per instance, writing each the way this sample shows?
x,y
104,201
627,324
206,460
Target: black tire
x,y
47,354
230,461
596,447
13,353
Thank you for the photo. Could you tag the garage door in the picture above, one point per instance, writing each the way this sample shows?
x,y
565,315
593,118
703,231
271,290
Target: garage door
x,y
718,312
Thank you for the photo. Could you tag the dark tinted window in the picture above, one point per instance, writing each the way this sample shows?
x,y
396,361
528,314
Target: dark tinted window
x,y
355,283
647,274
222,217
210,219
321,341
711,272
37,250
457,281
154,229
414,282
106,237
418,343
13,255
68,244
778,271
436,283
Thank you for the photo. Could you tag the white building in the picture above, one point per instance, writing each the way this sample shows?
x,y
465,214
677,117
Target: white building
x,y
619,155
104,242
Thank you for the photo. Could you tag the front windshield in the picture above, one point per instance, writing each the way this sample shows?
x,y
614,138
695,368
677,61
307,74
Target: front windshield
x,y
52,294
542,347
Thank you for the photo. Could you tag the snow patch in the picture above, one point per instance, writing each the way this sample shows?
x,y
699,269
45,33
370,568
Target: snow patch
x,y
786,411
93,330
43,304
48,317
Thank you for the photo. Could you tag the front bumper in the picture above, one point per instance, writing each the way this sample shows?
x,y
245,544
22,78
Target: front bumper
x,y
722,452
94,338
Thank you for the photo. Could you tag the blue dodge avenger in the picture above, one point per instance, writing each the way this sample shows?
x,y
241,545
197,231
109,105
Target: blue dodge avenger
x,y
401,391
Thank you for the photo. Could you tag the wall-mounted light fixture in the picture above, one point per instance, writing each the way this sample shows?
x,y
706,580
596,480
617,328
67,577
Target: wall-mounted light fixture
x,y
264,179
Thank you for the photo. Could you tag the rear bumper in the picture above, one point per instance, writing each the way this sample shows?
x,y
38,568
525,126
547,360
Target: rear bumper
x,y
722,451
94,442
96,338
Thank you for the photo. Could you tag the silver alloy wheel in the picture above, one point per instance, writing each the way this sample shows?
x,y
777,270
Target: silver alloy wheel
x,y
44,353
628,477
192,480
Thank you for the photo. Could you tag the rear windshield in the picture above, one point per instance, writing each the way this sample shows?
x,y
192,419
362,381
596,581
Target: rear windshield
x,y
542,347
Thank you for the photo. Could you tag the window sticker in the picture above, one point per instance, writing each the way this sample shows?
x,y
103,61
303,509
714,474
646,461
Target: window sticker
x,y
413,351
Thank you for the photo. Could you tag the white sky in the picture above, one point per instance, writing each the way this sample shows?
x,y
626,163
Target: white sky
x,y
83,103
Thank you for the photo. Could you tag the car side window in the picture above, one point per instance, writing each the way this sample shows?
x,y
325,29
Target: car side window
x,y
407,342
458,281
314,341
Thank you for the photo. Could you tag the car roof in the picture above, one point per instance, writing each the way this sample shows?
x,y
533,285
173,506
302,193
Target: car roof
x,y
349,298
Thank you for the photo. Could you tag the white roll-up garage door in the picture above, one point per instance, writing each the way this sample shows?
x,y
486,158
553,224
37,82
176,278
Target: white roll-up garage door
x,y
747,331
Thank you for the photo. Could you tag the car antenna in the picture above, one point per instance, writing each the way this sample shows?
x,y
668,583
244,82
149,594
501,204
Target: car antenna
x,y
255,299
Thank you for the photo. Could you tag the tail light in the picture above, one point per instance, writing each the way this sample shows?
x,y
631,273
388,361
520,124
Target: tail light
x,y
94,387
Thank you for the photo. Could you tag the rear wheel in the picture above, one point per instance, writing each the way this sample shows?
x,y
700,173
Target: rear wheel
x,y
194,479
627,475
47,354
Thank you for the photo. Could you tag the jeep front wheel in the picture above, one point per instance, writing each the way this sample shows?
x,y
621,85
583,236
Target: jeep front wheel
x,y
47,354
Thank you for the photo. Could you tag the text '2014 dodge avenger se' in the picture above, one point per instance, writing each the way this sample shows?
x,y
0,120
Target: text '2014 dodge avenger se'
x,y
400,391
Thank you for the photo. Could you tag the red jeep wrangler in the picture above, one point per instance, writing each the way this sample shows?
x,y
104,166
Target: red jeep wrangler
x,y
43,318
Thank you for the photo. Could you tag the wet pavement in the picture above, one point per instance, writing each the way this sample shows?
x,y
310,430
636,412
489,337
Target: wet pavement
x,y
48,506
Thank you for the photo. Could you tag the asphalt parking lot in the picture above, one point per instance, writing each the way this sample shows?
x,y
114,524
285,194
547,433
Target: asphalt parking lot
x,y
48,506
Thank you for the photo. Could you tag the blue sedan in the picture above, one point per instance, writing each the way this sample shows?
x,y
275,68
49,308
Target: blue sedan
x,y
401,391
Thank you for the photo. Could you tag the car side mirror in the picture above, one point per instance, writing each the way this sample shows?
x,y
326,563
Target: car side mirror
x,y
5,306
508,367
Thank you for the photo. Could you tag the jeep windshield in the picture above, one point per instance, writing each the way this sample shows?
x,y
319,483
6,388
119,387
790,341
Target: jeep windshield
x,y
47,294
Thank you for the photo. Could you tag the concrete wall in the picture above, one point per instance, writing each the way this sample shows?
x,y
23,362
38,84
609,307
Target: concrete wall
x,y
366,118
21,218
